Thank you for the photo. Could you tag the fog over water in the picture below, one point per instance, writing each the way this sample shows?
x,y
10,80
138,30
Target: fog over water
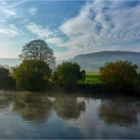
x,y
34,115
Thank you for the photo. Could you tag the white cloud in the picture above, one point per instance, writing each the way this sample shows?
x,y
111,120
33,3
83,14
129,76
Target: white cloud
x,y
39,30
78,24
32,11
6,13
45,33
10,9
9,31
55,41
100,24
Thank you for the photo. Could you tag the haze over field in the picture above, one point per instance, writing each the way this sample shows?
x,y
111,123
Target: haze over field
x,y
93,61
9,61
90,61
70,27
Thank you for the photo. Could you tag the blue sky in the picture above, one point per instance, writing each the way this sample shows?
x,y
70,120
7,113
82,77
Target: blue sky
x,y
70,27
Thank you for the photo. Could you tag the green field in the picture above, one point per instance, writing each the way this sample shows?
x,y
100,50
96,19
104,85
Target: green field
x,y
93,78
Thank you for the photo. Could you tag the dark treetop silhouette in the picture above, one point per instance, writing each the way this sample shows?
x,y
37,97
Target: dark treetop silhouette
x,y
38,49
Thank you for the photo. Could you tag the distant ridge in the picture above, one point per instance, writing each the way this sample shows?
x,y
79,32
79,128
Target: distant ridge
x,y
10,61
93,61
90,61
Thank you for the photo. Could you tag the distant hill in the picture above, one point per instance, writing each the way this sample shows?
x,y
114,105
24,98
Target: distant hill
x,y
9,61
93,61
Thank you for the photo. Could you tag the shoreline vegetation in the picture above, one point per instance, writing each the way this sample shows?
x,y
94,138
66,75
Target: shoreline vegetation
x,y
38,73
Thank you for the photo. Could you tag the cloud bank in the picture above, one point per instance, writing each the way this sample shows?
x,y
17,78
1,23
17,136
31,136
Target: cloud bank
x,y
99,25
102,25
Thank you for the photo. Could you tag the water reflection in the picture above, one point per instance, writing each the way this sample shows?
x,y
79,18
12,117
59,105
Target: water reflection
x,y
5,101
32,106
118,112
33,115
38,106
68,107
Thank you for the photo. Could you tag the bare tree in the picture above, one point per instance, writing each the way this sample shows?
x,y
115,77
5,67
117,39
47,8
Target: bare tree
x,y
38,49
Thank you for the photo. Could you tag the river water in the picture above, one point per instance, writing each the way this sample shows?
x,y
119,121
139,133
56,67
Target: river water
x,y
35,115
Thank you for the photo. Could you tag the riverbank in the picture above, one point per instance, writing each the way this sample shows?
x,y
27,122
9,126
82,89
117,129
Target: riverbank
x,y
82,88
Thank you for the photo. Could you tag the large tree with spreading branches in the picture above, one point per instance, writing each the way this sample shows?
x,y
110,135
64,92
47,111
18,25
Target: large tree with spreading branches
x,y
38,50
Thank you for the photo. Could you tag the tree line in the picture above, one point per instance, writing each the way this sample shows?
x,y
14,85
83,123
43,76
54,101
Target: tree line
x,y
38,71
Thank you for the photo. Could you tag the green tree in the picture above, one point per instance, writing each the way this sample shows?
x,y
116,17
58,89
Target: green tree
x,y
6,81
32,75
68,74
38,49
119,75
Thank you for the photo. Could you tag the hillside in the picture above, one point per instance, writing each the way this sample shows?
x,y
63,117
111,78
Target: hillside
x,y
93,61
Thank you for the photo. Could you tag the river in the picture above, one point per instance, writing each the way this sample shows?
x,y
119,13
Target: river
x,y
36,115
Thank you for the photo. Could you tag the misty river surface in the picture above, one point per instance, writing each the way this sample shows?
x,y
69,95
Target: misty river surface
x,y
34,115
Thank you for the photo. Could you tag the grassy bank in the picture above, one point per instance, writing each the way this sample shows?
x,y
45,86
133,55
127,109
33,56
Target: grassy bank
x,y
93,78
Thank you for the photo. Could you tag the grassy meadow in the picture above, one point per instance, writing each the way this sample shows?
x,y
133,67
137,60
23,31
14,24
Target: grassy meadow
x,y
93,78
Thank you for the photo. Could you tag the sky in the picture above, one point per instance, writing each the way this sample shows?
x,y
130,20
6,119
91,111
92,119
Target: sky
x,y
70,27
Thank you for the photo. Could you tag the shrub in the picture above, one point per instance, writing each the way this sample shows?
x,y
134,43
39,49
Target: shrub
x,y
6,81
68,74
119,75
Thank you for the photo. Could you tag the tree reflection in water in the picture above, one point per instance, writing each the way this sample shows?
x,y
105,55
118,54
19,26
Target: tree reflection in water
x,y
5,101
37,106
118,112
32,106
4,104
67,107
